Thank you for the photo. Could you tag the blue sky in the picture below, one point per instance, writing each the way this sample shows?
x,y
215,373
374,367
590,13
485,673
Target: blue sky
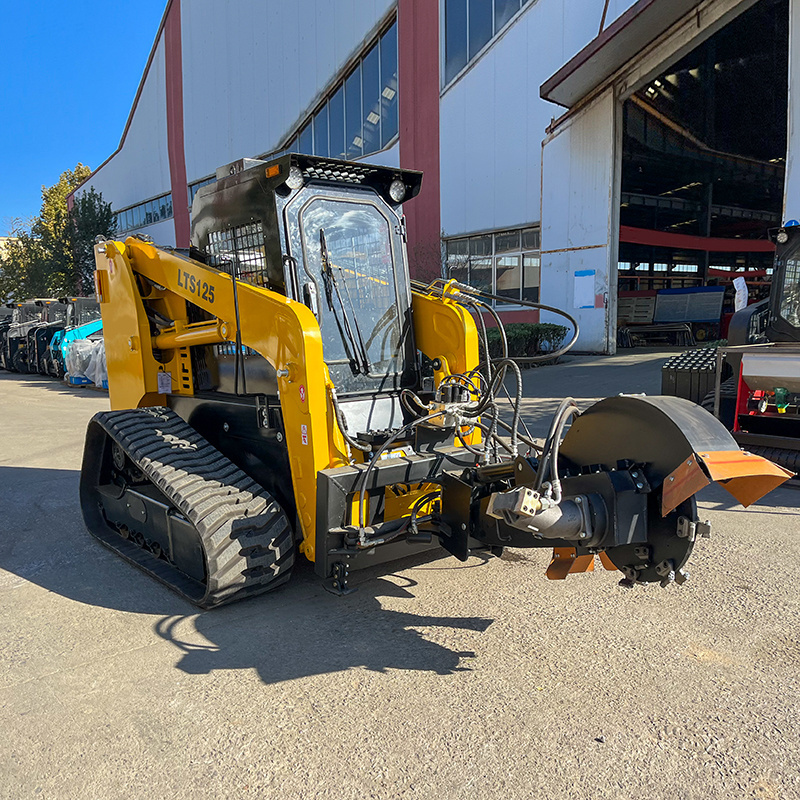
x,y
69,70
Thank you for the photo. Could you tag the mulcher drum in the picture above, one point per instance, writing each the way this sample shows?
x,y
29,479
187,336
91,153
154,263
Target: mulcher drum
x,y
245,538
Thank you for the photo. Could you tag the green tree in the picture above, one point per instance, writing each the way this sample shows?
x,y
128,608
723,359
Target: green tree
x,y
91,217
14,265
53,255
22,266
53,229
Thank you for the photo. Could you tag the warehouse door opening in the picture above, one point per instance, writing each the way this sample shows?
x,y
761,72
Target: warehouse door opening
x,y
703,168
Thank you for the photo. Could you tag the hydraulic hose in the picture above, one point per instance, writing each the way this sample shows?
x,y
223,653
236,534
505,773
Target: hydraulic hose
x,y
548,461
514,365
472,292
500,327
383,448
340,419
469,290
572,411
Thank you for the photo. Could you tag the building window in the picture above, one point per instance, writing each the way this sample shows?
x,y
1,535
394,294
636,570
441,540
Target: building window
x,y
197,185
505,263
143,214
359,115
469,25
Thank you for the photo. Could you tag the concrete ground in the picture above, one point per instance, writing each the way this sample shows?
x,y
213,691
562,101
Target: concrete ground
x,y
588,379
441,680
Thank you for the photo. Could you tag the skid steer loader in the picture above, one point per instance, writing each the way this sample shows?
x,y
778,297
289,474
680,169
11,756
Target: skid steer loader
x,y
283,389
20,334
82,322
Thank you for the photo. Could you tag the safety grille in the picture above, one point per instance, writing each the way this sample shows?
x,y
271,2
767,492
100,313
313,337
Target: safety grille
x,y
240,252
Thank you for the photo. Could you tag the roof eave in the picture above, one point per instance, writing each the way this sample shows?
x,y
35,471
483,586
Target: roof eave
x,y
614,47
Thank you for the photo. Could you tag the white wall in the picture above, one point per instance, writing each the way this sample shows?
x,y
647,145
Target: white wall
x,y
389,157
493,120
140,170
579,221
163,233
252,69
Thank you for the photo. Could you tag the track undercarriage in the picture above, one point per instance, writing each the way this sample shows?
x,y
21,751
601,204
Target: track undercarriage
x,y
157,493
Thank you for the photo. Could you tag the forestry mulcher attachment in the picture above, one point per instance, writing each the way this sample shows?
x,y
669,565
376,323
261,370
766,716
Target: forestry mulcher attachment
x,y
283,388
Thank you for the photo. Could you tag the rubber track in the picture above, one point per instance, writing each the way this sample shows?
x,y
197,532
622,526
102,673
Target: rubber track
x,y
728,389
245,535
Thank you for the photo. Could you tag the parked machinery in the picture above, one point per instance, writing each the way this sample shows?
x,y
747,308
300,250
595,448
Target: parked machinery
x,y
53,319
5,322
83,321
754,380
284,388
24,317
761,403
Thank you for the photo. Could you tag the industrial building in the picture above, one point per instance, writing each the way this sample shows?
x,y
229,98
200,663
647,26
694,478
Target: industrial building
x,y
584,153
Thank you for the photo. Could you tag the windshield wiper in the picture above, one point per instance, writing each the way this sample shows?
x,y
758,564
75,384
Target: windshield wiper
x,y
354,346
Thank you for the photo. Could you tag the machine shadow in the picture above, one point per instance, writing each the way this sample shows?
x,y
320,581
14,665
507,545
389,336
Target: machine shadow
x,y
43,541
296,631
54,385
301,630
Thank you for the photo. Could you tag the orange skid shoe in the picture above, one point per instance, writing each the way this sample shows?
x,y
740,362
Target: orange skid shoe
x,y
566,561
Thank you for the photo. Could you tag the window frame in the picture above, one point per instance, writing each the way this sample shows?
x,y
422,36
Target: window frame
x,y
444,82
134,217
521,252
337,86
297,246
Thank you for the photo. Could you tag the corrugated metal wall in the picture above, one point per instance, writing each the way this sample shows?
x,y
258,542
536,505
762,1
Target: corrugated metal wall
x,y
140,170
493,120
251,69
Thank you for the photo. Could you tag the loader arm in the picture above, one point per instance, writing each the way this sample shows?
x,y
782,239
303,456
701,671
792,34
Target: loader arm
x,y
281,330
